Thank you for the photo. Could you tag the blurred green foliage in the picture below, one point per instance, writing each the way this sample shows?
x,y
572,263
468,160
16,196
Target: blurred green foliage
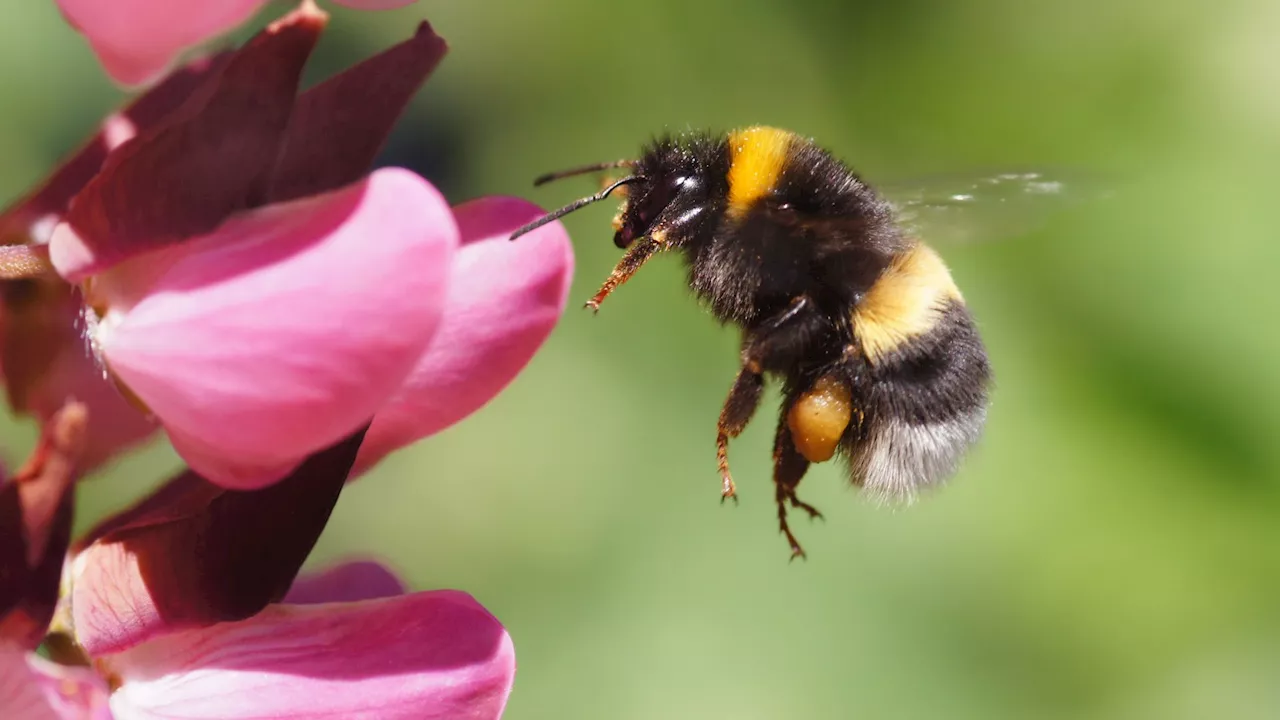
x,y
1112,550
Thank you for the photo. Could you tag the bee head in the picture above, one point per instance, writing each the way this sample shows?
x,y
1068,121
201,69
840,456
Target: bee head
x,y
650,198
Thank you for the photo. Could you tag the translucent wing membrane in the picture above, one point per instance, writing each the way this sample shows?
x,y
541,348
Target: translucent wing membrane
x,y
967,208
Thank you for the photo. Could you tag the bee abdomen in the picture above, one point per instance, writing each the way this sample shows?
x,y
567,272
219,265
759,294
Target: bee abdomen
x,y
926,383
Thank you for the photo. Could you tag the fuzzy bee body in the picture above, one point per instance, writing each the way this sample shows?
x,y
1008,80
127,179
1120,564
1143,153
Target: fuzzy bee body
x,y
879,358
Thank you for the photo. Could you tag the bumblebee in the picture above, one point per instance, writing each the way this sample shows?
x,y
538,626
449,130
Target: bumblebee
x,y
879,359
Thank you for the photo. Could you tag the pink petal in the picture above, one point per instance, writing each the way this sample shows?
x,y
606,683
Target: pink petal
x,y
112,606
192,554
348,582
137,40
285,329
504,299
21,696
32,688
424,656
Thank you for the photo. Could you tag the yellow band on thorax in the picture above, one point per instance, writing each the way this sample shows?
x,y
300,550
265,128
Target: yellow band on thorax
x,y
756,157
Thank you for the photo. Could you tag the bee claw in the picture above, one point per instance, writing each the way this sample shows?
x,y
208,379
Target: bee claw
x,y
796,550
814,514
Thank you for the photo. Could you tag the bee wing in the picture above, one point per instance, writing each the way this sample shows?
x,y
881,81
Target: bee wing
x,y
967,208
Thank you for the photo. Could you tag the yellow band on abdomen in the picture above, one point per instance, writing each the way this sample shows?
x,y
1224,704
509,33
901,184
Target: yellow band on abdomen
x,y
906,301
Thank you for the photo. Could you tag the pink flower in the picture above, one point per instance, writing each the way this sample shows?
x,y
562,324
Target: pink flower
x,y
285,329
252,288
42,349
504,299
288,317
352,644
193,554
422,655
138,40
188,607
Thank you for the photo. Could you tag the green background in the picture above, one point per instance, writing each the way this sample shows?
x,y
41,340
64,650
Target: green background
x,y
1111,550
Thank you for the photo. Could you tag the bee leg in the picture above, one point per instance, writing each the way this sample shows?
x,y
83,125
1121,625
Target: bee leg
x,y
626,267
764,345
789,467
738,408
796,502
673,226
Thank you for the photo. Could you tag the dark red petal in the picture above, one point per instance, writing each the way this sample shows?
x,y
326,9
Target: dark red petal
x,y
339,126
194,554
181,498
15,575
212,157
35,528
27,620
50,199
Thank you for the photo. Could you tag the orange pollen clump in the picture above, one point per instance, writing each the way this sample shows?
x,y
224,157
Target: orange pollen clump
x,y
819,418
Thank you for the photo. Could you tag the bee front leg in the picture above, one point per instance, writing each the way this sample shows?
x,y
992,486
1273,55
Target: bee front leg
x,y
741,404
681,217
636,257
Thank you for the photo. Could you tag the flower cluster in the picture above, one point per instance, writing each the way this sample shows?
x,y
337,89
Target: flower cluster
x,y
219,264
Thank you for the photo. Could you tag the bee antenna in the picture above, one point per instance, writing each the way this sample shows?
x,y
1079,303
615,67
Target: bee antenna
x,y
575,205
594,167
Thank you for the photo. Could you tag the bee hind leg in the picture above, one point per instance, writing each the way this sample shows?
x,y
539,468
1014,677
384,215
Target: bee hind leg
x,y
789,467
738,409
